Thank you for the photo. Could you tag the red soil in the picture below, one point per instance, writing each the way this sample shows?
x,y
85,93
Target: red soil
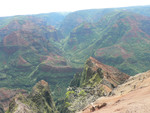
x,y
131,97
6,95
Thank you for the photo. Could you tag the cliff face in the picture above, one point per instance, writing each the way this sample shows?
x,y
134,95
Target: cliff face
x,y
1,109
96,80
38,101
113,40
95,72
30,52
6,95
132,96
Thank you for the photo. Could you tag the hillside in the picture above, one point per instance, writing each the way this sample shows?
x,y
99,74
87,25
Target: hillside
x,y
120,39
53,19
95,81
38,101
73,19
29,52
132,96
6,95
76,18
55,47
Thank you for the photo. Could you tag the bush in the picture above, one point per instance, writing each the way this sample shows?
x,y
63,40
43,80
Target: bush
x,y
82,93
69,93
67,104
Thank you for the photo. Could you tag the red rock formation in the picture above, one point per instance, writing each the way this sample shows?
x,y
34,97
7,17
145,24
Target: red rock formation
x,y
109,73
133,97
6,95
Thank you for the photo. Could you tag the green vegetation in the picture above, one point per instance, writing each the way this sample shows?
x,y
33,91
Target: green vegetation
x,y
21,62
1,109
52,46
67,104
113,41
68,93
39,100
82,93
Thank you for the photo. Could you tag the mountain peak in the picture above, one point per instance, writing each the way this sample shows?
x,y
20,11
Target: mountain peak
x,y
40,87
96,80
38,101
43,83
91,61
95,64
128,96
95,68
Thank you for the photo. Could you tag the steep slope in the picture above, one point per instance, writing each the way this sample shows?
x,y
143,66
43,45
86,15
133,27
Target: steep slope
x,y
132,96
29,52
53,19
143,10
76,18
95,81
120,39
38,101
1,109
6,95
95,72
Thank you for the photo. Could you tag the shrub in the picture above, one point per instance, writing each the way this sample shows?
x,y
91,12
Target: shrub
x,y
82,93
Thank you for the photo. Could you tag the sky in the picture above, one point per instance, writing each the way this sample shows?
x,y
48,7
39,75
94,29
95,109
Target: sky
x,y
22,7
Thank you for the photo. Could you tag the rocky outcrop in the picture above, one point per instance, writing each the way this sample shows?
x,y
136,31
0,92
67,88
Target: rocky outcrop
x,y
38,101
6,95
132,96
96,80
133,83
95,72
1,109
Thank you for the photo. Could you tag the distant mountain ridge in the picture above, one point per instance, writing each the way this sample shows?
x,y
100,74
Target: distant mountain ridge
x,y
54,46
76,18
116,38
53,19
29,51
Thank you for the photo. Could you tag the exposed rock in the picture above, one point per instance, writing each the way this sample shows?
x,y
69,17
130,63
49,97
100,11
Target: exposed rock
x,y
132,96
19,105
38,101
1,109
41,96
96,80
95,69
6,95
27,43
134,82
93,108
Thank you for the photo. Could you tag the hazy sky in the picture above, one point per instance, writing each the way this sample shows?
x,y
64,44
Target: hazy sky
x,y
19,7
